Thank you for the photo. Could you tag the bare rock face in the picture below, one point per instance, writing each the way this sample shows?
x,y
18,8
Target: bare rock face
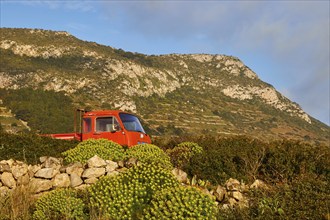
x,y
180,175
220,193
51,162
111,166
96,161
46,173
91,180
113,173
93,172
258,184
122,169
19,170
76,168
237,195
23,180
4,166
75,180
40,185
62,180
33,169
82,187
121,163
232,184
8,180
131,162
269,97
206,191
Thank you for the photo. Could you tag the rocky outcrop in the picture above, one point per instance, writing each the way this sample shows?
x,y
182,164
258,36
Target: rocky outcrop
x,y
267,95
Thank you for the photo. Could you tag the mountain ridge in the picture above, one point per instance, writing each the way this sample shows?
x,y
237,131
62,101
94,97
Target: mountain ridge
x,y
169,92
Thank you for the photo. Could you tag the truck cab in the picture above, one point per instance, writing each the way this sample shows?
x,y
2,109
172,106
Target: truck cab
x,y
115,125
121,127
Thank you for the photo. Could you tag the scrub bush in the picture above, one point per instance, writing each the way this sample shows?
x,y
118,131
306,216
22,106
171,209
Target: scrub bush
x,y
149,153
181,203
126,195
28,147
286,161
59,204
231,157
107,150
182,153
306,198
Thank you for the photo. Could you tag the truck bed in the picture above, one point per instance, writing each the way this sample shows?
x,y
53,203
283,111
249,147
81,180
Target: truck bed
x,y
66,136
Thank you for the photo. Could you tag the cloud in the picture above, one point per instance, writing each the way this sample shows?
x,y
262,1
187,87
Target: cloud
x,y
294,35
82,5
285,42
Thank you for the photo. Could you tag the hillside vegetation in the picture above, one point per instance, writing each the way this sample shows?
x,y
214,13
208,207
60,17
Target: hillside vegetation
x,y
296,174
173,94
45,111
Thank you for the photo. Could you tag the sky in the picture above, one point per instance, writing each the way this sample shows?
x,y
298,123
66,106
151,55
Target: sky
x,y
285,42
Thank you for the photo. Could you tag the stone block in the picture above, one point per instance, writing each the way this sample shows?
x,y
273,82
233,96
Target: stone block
x,y
8,180
93,172
46,173
75,180
38,185
62,180
111,166
96,161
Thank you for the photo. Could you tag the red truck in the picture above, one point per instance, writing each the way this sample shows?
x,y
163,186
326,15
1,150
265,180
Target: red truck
x,y
118,126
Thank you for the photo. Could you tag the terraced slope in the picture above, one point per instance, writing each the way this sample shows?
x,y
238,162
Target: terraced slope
x,y
173,94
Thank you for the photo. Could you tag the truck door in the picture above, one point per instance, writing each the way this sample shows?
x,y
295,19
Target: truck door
x,y
86,131
109,128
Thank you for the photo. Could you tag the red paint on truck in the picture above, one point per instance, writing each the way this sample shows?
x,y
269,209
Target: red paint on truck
x,y
118,126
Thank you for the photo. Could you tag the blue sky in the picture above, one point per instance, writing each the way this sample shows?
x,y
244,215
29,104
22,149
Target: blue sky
x,y
285,42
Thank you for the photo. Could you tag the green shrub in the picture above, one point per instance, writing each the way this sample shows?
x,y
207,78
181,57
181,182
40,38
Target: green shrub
x,y
126,195
107,150
286,160
306,198
181,203
149,153
42,110
182,153
29,147
59,204
232,157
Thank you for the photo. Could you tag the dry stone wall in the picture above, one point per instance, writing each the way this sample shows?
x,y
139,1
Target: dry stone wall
x,y
51,173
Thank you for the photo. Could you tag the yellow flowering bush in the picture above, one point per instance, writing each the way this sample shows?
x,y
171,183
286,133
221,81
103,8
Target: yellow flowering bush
x,y
149,153
182,153
181,203
107,150
126,195
59,204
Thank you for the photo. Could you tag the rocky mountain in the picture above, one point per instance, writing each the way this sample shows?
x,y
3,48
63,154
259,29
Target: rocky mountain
x,y
173,94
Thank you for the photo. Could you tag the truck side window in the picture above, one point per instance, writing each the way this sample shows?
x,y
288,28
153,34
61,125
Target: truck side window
x,y
87,125
107,124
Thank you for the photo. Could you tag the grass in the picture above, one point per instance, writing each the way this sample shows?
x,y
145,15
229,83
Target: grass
x,y
17,204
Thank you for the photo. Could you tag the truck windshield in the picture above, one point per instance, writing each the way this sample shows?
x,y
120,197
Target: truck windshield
x,y
131,122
